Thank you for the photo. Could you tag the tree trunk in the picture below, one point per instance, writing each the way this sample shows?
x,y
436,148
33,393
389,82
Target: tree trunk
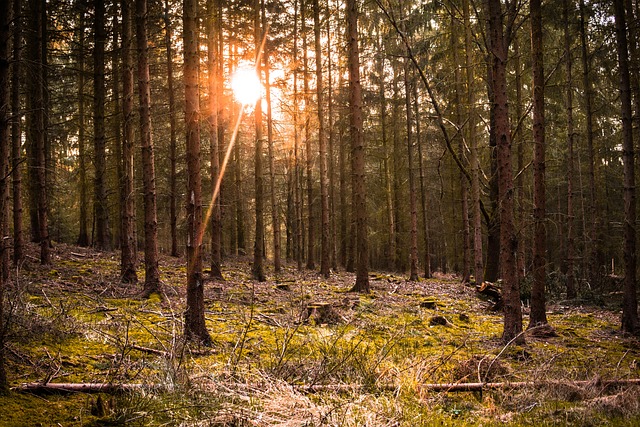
x,y
257,270
297,184
152,273
538,305
16,137
275,218
325,252
413,249
100,200
397,256
464,190
473,144
311,263
331,150
520,209
358,150
508,241
591,249
173,214
214,64
83,236
128,254
571,277
630,300
37,130
194,322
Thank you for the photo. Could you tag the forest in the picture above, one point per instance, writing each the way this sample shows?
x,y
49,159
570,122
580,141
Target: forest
x,y
319,212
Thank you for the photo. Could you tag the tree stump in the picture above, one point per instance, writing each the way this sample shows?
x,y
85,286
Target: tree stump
x,y
321,313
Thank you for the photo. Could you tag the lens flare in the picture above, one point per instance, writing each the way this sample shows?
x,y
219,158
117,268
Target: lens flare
x,y
246,85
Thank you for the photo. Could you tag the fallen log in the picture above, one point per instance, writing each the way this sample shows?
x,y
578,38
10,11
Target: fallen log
x,y
48,388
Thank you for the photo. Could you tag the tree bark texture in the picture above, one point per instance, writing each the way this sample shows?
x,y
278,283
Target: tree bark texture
x,y
538,306
16,136
195,328
128,252
152,273
357,149
630,300
173,184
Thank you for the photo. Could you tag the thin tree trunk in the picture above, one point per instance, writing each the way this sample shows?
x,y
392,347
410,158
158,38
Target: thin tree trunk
x,y
342,165
325,252
538,305
591,249
424,198
16,137
571,277
311,264
464,190
100,200
275,218
473,145
173,214
5,36
630,300
358,150
508,241
297,184
257,270
331,148
152,273
396,256
520,208
83,236
214,59
194,322
116,116
413,249
128,254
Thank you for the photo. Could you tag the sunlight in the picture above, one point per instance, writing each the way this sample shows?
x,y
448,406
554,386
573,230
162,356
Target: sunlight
x,y
246,85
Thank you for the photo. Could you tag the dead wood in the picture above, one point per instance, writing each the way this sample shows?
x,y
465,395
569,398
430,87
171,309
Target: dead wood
x,y
48,388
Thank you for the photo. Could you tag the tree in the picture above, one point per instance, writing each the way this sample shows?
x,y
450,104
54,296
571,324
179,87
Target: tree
x,y
83,235
16,136
538,307
325,250
152,274
257,270
100,201
173,215
128,253
413,205
500,38
630,322
194,323
358,150
37,129
5,36
214,64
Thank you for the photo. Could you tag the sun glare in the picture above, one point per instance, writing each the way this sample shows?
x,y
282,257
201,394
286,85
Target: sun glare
x,y
246,85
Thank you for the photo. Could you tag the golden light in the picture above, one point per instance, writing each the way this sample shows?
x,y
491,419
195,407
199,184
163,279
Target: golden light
x,y
246,85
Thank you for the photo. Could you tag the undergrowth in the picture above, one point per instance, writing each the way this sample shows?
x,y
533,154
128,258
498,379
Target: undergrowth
x,y
301,351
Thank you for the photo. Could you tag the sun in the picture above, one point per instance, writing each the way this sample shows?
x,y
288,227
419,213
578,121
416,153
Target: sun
x,y
246,85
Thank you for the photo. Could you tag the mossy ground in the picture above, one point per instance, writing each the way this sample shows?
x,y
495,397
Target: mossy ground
x,y
74,322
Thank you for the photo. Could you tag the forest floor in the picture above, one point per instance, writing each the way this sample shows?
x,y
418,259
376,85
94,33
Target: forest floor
x,y
299,350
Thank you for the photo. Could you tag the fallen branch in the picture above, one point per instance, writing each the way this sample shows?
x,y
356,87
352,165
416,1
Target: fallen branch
x,y
41,388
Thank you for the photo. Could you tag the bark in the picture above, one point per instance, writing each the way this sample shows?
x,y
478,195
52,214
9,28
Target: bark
x,y
128,254
591,249
152,273
257,270
508,242
464,189
630,300
311,263
570,262
331,150
413,205
37,129
214,64
100,201
325,250
473,144
194,322
83,236
520,209
116,115
16,137
538,305
357,149
275,218
396,256
173,214
5,36
297,184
